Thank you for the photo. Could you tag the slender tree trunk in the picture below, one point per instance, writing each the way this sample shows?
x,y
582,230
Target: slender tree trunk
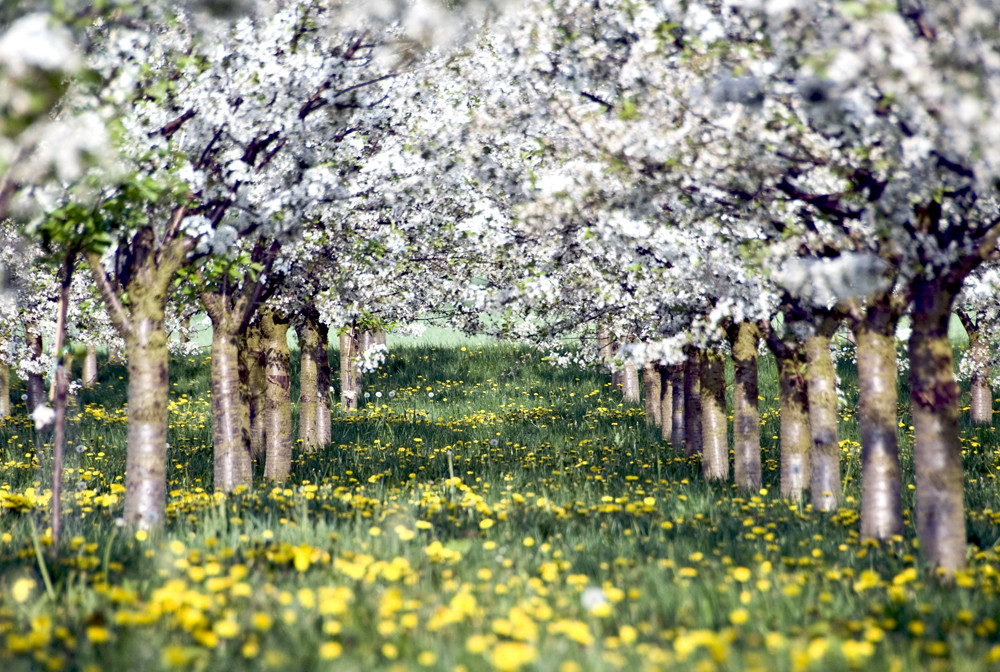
x,y
323,428
243,369
368,339
981,393
678,414
794,409
277,396
232,457
146,461
692,403
630,384
651,394
60,392
821,387
881,477
184,335
666,401
308,335
36,382
714,425
350,383
744,338
256,386
4,391
606,351
88,375
937,451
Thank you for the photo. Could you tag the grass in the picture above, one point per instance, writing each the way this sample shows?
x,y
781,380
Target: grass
x,y
483,510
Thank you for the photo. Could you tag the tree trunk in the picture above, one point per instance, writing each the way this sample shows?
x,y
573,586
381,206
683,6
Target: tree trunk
x,y
881,477
36,382
630,384
308,334
148,385
981,402
937,451
243,369
821,387
4,391
651,394
746,412
232,456
606,352
277,396
184,335
794,409
714,424
323,428
88,375
666,401
350,383
692,403
678,413
256,382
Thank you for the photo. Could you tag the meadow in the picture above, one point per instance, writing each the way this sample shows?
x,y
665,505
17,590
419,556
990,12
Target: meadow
x,y
483,510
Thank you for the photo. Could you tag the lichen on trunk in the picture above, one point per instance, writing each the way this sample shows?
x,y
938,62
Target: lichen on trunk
x,y
666,401
252,356
881,477
630,384
232,457
821,386
744,339
937,451
651,394
692,403
714,425
277,395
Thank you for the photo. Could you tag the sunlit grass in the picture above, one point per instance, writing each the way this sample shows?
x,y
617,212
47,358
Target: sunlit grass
x,y
481,510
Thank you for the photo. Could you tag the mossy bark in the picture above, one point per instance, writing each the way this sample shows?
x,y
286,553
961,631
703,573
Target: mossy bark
x,y
323,422
630,384
666,401
350,379
252,355
881,477
714,424
308,335
678,413
692,403
35,383
937,451
744,339
88,374
651,394
980,390
821,387
277,396
4,391
794,408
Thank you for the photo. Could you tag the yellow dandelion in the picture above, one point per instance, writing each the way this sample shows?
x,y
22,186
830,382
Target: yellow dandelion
x,y
98,634
739,616
330,650
426,658
510,656
22,589
741,574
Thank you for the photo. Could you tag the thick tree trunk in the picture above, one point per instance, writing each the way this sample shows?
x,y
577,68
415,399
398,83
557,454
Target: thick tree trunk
x,y
323,428
243,370
651,394
350,380
678,413
252,355
937,451
821,386
714,424
746,412
881,477
4,391
308,335
277,396
232,456
146,460
36,382
794,408
630,384
88,375
981,393
692,403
